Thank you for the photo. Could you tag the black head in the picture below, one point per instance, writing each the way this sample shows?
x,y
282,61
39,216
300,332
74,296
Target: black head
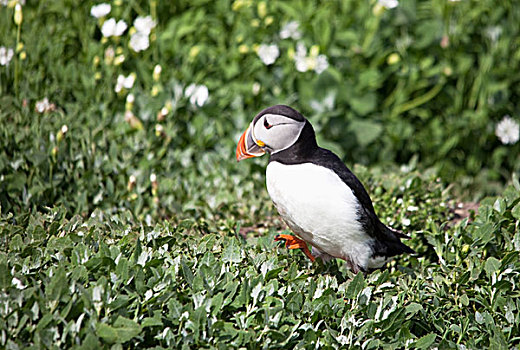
x,y
281,110
274,130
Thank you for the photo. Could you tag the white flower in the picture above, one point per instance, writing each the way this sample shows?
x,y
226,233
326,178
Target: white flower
x,y
110,53
100,10
300,58
342,339
303,63
159,130
256,88
113,277
18,15
143,258
113,28
327,104
6,55
42,106
268,53
290,30
129,116
508,130
198,94
96,293
64,129
157,72
493,33
139,41
389,4
322,63
10,2
17,283
144,25
124,82
301,50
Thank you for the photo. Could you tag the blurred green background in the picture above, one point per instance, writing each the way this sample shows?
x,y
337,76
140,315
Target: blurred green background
x,y
421,85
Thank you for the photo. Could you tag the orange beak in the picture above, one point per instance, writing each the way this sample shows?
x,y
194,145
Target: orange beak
x,y
247,147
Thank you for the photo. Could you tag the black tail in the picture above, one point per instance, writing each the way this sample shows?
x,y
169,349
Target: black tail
x,y
392,244
397,247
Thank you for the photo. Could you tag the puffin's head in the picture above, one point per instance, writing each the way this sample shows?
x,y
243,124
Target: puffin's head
x,y
274,129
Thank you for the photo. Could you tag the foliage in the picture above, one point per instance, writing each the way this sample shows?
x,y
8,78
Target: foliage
x,y
109,280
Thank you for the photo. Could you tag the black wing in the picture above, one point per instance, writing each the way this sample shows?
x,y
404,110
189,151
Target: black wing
x,y
389,243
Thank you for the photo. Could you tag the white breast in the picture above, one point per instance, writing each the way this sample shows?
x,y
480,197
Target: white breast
x,y
320,208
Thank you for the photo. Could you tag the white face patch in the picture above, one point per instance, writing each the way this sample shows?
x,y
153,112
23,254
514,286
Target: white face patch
x,y
276,132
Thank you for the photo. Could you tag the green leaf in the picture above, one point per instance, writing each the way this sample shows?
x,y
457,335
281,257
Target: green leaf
x,y
122,331
5,276
500,205
370,78
485,232
363,104
151,322
427,33
232,252
16,243
273,273
100,263
356,286
492,265
187,273
44,321
516,182
366,131
464,300
90,342
108,333
516,211
413,308
426,341
216,303
58,284
509,258
16,181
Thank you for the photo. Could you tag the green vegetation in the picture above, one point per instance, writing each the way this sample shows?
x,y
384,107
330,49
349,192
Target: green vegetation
x,y
109,280
125,221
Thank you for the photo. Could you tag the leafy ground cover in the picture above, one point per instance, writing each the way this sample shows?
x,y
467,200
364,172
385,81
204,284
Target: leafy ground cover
x,y
126,223
108,280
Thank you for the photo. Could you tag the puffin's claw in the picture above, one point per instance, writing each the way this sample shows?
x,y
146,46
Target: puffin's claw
x,y
293,242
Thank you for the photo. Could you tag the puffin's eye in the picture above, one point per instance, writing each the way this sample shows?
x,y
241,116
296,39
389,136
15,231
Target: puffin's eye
x,y
266,124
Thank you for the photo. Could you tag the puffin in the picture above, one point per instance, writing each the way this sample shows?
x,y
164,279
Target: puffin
x,y
320,199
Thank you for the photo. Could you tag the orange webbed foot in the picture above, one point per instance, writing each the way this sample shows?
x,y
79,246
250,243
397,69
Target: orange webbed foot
x,y
293,242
